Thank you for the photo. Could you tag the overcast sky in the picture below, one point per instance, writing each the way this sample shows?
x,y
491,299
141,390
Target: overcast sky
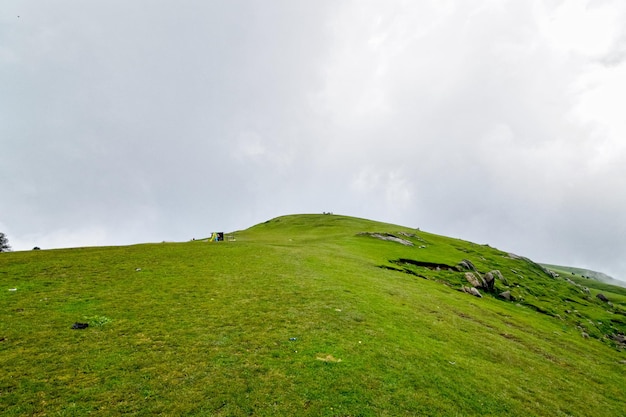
x,y
498,122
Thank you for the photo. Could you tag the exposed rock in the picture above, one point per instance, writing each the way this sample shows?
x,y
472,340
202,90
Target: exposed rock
x,y
490,281
619,338
506,295
551,273
499,276
475,292
466,265
471,290
389,237
471,278
602,297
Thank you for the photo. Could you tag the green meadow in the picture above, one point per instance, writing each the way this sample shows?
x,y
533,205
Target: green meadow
x,y
304,315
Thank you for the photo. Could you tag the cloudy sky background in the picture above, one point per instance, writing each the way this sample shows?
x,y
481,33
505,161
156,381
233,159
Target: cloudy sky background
x,y
499,122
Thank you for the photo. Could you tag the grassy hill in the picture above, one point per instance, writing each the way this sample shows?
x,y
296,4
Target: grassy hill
x,y
584,276
318,315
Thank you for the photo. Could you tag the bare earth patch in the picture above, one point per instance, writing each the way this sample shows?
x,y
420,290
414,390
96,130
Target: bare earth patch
x,y
327,358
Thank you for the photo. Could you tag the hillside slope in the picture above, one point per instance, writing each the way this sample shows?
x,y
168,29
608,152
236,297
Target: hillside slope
x,y
304,315
585,275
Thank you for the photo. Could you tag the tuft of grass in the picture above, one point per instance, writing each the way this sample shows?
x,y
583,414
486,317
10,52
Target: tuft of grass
x,y
97,321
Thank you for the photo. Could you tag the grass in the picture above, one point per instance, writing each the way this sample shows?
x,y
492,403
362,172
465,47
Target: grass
x,y
301,315
586,277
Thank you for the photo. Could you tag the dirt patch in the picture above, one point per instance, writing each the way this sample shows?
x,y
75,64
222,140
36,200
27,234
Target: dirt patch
x,y
430,265
327,358
405,270
510,337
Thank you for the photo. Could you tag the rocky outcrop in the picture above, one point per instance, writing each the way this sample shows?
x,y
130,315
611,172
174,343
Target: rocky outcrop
x,y
466,265
490,281
388,237
499,276
475,292
471,290
473,280
486,282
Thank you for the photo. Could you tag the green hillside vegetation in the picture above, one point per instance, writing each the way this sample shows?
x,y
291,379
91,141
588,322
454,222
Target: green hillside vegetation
x,y
307,315
584,276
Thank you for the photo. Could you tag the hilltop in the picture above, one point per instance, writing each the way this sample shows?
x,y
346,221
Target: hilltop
x,y
306,315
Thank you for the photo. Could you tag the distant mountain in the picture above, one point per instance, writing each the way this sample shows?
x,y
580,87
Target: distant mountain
x,y
585,273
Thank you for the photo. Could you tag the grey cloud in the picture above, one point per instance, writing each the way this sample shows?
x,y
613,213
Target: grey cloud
x,y
125,122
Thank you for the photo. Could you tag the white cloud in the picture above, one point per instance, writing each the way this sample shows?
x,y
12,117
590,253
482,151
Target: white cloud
x,y
580,26
495,121
387,190
253,148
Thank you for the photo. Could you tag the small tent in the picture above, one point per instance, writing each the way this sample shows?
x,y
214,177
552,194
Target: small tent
x,y
217,237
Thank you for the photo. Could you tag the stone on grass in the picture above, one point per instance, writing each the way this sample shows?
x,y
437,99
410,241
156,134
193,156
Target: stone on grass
x,y
490,281
471,290
389,237
472,279
506,295
602,297
496,273
475,292
466,264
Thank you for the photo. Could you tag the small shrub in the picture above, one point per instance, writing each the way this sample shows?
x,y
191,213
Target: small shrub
x,y
98,321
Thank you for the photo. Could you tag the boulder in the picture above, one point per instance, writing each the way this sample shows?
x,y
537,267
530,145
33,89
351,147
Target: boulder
x,y
472,279
499,276
490,281
471,290
466,265
602,297
475,292
506,295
